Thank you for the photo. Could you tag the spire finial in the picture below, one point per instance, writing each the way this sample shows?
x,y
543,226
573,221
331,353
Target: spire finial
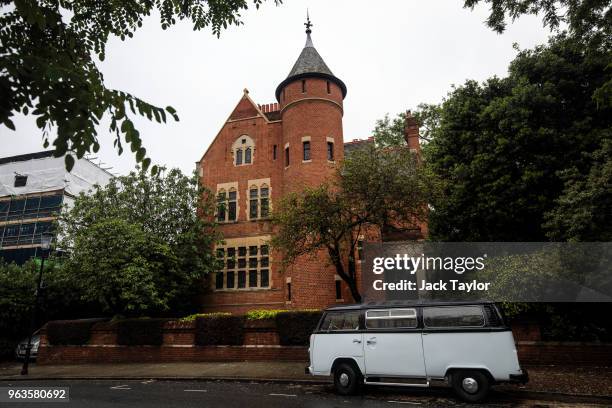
x,y
308,24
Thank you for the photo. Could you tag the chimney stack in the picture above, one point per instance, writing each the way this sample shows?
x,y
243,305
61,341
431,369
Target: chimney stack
x,y
411,133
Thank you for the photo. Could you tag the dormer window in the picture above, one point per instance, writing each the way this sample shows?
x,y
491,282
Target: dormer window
x,y
243,151
20,180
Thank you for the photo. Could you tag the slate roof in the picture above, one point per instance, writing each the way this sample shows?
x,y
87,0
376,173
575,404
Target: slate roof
x,y
309,61
310,64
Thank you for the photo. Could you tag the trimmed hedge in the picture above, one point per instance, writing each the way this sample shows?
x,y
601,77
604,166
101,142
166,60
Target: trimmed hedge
x,y
140,332
192,317
263,314
70,332
219,330
295,328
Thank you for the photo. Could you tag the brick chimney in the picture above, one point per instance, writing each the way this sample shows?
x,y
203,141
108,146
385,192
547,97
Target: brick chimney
x,y
411,133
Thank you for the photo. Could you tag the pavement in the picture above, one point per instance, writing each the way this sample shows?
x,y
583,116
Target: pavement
x,y
265,379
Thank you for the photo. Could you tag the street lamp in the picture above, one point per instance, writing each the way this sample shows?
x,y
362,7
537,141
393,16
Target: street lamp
x,y
45,245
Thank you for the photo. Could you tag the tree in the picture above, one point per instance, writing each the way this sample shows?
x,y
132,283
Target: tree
x,y
142,243
375,189
582,17
502,146
48,51
390,132
582,211
60,299
589,21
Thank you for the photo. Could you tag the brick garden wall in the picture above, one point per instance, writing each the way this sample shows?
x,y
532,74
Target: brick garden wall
x,y
262,344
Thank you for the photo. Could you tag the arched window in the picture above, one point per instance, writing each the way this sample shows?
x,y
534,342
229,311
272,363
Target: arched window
x,y
238,157
243,151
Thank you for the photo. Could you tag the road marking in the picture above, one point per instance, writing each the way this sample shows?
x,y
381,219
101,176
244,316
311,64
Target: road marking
x,y
147,382
404,402
283,395
195,390
121,387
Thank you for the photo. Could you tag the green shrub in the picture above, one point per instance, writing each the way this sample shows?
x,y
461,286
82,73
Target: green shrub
x,y
70,332
140,332
262,314
271,314
192,317
295,327
219,330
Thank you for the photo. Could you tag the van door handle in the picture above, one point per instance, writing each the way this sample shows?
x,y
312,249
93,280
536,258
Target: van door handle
x,y
371,341
357,341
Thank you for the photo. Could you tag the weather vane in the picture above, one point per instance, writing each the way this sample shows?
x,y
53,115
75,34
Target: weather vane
x,y
308,24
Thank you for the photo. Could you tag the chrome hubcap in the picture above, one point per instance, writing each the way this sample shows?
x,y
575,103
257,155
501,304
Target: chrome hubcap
x,y
469,385
344,379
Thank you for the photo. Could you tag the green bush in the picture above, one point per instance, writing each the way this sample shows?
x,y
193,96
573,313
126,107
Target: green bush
x,y
262,314
140,332
192,317
270,313
295,327
220,330
70,332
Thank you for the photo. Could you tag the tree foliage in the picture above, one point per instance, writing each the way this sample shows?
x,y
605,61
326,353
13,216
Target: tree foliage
x,y
583,17
139,244
583,210
48,66
17,298
390,132
376,188
505,148
589,21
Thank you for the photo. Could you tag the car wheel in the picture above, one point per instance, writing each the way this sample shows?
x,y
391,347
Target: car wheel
x,y
470,386
347,379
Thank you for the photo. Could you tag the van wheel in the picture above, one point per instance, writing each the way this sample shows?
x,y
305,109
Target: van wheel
x,y
347,379
470,386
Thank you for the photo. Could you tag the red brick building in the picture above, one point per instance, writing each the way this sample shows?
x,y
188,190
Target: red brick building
x,y
261,153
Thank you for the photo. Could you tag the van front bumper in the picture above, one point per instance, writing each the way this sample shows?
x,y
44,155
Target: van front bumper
x,y
522,378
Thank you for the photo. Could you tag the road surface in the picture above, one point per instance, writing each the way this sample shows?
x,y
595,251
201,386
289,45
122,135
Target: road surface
x,y
213,394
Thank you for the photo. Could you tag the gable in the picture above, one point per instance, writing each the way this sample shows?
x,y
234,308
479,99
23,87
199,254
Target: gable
x,y
244,109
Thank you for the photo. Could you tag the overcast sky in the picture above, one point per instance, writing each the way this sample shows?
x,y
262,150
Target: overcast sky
x,y
392,55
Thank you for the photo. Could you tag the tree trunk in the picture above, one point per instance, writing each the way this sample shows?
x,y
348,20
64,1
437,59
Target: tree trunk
x,y
350,280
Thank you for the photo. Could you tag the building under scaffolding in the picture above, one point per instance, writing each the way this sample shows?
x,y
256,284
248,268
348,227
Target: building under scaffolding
x,y
33,188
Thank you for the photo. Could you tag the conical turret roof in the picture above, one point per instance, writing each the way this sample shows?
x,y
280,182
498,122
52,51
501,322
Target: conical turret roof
x,y
310,64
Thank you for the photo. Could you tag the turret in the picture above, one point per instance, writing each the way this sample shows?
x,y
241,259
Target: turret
x,y
311,103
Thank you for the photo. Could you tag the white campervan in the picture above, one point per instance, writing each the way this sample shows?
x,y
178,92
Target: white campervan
x,y
467,345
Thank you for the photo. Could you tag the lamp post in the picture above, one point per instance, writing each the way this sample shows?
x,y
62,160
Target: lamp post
x,y
45,245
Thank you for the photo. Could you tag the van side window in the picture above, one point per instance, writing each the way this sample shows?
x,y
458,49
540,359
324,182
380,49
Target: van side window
x,y
453,316
391,319
340,321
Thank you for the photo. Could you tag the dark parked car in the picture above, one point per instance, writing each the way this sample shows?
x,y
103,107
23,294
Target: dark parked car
x,y
20,351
